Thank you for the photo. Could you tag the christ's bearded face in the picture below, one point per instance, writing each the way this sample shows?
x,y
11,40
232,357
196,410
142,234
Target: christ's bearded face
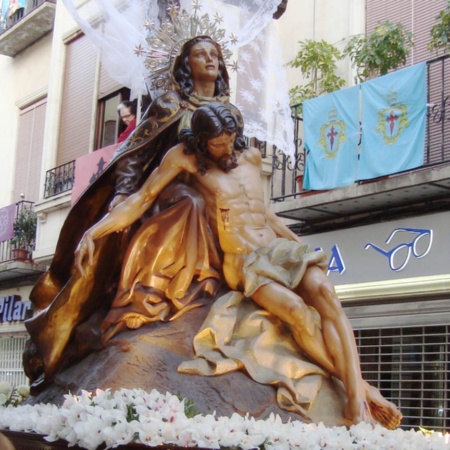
x,y
221,150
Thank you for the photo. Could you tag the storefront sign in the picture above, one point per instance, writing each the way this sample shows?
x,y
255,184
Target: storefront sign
x,y
412,247
12,308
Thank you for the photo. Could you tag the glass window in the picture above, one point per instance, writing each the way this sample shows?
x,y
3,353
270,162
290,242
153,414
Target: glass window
x,y
109,125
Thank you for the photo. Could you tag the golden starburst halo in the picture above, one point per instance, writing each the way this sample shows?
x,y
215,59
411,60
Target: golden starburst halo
x,y
164,43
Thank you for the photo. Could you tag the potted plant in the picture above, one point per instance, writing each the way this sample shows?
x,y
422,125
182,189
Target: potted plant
x,y
385,49
24,232
440,32
317,61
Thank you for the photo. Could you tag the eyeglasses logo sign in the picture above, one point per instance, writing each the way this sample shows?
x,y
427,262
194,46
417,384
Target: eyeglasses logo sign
x,y
417,243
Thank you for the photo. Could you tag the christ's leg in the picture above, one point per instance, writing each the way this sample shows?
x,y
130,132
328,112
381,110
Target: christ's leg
x,y
291,309
364,401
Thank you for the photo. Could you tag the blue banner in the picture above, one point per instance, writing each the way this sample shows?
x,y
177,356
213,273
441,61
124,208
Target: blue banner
x,y
393,122
9,7
331,127
4,9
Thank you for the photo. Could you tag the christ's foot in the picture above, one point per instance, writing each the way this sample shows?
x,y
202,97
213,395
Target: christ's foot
x,y
382,410
357,411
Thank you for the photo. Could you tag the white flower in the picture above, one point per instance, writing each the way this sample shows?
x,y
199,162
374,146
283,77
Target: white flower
x,y
121,433
3,399
6,388
89,432
102,418
150,433
23,390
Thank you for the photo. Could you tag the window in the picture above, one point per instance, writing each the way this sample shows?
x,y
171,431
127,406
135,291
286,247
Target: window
x,y
11,349
109,125
404,350
410,365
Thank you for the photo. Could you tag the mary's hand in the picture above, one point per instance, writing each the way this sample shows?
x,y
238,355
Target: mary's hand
x,y
85,248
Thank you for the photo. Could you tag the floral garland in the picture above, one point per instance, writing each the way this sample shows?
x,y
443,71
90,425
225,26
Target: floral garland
x,y
10,395
135,416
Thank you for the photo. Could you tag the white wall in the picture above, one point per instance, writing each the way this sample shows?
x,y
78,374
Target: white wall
x,y
63,27
24,79
8,124
332,21
31,69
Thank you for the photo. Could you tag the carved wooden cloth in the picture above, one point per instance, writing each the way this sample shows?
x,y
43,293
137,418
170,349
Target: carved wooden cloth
x,y
238,335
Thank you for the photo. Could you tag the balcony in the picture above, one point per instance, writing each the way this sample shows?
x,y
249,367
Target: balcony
x,y
26,26
419,191
59,179
16,264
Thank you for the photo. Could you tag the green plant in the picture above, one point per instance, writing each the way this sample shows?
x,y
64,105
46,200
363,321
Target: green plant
x,y
386,48
440,32
317,61
190,409
25,228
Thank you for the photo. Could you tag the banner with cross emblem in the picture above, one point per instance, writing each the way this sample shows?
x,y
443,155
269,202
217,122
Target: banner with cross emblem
x,y
331,139
393,122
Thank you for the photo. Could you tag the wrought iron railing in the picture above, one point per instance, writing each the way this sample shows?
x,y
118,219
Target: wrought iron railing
x,y
20,13
287,175
9,250
59,179
437,145
285,171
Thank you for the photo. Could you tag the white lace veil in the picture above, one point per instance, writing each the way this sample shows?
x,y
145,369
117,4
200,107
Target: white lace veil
x,y
258,85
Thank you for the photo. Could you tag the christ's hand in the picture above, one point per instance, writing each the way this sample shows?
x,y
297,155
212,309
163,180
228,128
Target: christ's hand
x,y
85,248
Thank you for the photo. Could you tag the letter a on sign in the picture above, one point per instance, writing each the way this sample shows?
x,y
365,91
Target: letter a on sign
x,y
336,263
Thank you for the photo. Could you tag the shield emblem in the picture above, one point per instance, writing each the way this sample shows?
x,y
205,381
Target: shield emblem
x,y
332,135
391,122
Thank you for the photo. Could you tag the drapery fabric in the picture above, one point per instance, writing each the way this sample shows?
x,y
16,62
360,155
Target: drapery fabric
x,y
394,110
259,86
9,7
7,217
388,116
331,139
238,335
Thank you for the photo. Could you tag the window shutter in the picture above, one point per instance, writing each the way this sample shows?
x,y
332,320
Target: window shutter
x,y
106,84
77,101
29,152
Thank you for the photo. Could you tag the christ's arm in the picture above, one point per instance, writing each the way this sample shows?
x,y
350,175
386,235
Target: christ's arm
x,y
279,228
134,206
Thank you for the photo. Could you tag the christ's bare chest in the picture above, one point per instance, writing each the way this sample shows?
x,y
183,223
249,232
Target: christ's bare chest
x,y
233,198
241,185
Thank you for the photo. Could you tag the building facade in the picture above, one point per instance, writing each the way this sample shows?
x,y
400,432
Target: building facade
x,y
387,238
59,106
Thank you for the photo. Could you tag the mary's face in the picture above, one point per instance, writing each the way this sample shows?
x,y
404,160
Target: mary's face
x,y
204,62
